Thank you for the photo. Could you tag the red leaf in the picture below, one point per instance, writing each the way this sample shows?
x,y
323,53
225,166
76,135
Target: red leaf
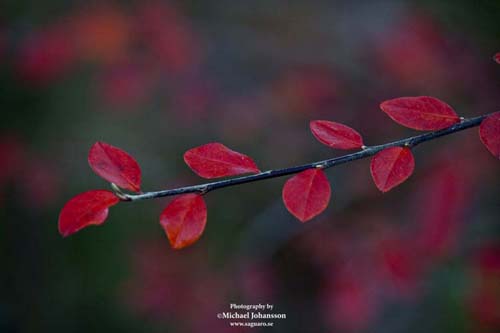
x,y
307,194
489,132
392,166
115,165
335,135
422,113
88,208
496,57
184,220
215,160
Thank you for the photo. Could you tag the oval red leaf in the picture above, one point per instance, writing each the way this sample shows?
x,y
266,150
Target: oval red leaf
x,y
115,165
497,57
422,113
392,166
184,220
489,132
307,194
215,160
335,135
88,208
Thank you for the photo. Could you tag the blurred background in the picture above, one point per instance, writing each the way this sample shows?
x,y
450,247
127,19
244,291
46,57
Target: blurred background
x,y
157,78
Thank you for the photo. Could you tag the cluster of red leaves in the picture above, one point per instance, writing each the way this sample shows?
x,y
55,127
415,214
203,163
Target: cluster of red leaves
x,y
305,195
183,220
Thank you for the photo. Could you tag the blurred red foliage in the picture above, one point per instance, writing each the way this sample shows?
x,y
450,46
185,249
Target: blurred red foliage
x,y
350,301
172,43
175,287
485,292
305,90
130,48
46,55
40,182
33,176
414,52
125,86
102,34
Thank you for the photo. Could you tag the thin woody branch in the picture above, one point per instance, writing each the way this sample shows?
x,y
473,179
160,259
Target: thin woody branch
x,y
409,142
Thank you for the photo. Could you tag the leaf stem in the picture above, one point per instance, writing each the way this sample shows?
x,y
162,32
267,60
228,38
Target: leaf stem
x,y
365,152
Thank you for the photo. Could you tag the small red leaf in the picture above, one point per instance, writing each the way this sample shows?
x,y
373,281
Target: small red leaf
x,y
335,135
184,220
115,165
392,166
307,194
496,57
215,160
489,132
422,113
88,208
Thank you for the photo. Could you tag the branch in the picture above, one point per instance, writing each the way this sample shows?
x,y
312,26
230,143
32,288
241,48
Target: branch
x,y
409,142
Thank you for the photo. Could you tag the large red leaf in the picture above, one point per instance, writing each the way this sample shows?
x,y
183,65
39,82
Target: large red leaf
x,y
215,160
335,135
307,194
489,132
421,113
496,57
88,208
184,220
392,166
115,165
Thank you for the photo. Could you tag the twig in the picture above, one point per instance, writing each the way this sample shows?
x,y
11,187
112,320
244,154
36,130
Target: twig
x,y
365,152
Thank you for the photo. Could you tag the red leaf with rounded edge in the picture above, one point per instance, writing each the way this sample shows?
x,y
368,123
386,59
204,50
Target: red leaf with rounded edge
x,y
392,166
87,208
184,220
215,160
489,132
422,113
115,165
335,135
307,194
496,57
